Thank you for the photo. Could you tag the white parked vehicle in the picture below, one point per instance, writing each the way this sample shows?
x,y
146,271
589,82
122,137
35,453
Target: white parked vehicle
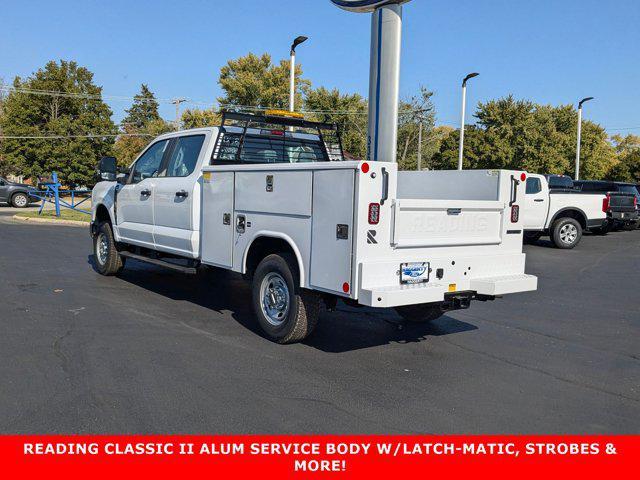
x,y
283,207
562,213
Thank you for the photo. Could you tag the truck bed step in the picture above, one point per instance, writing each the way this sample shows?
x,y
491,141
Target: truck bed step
x,y
162,263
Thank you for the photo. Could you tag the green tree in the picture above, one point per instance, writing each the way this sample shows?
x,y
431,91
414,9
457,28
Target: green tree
x,y
73,112
132,140
348,111
254,81
143,110
519,134
627,166
417,109
196,118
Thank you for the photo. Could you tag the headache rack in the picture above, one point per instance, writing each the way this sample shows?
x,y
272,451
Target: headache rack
x,y
264,138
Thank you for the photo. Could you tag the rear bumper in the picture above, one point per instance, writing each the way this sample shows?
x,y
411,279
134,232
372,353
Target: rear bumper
x,y
432,292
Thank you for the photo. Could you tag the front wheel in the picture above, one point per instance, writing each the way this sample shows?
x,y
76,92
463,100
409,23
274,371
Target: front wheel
x,y
108,260
20,200
566,233
421,313
286,313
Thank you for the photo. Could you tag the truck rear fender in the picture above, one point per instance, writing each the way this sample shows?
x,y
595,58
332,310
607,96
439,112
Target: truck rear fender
x,y
265,243
571,212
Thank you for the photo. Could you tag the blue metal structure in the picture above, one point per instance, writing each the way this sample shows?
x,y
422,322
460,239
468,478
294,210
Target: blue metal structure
x,y
51,194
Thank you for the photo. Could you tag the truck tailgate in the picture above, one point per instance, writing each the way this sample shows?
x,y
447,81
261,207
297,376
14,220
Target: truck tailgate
x,y
435,223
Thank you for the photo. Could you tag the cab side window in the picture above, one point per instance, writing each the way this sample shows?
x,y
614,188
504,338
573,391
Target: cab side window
x,y
149,163
533,185
184,156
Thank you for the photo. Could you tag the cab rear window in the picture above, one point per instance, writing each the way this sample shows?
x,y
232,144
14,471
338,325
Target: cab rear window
x,y
233,148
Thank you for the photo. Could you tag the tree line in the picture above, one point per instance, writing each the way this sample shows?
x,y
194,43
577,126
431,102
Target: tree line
x,y
57,120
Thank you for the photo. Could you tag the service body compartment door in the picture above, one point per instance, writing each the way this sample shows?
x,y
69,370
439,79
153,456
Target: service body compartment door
x,y
217,218
332,231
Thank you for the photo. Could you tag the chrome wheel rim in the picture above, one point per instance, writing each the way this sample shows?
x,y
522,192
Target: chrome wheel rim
x,y
568,233
275,298
20,201
102,248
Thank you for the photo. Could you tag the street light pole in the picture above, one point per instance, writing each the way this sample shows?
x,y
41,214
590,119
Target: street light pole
x,y
580,135
292,74
464,101
420,145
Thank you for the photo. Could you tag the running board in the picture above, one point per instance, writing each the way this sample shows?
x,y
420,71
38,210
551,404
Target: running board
x,y
161,263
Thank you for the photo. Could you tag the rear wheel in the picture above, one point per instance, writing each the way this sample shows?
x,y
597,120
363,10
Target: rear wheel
x,y
421,313
20,200
285,312
566,233
108,260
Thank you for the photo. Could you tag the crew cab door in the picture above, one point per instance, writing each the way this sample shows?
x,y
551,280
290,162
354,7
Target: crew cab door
x,y
134,207
174,196
536,204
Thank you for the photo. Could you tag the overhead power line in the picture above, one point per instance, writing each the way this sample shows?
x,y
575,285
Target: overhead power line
x,y
88,135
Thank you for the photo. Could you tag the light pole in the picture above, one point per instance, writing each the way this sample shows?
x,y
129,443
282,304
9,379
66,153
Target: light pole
x,y
292,74
580,135
464,101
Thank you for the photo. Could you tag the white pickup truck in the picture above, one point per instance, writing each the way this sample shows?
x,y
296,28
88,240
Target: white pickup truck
x,y
272,198
564,212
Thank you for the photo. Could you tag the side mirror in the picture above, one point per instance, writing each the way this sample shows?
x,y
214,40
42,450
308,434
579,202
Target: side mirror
x,y
108,169
121,178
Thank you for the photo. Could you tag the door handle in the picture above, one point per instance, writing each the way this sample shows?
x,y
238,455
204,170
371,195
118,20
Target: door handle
x,y
182,194
241,222
538,200
145,193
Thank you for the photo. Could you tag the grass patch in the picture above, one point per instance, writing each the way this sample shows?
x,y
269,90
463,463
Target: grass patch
x,y
65,214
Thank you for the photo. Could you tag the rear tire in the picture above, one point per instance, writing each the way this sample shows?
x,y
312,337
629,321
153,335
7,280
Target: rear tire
x,y
20,200
421,313
107,259
286,313
566,233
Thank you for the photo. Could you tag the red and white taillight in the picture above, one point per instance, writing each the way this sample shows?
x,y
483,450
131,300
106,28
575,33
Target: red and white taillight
x,y
374,213
515,213
605,203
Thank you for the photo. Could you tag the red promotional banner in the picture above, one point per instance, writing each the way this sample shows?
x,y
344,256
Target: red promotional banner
x,y
351,456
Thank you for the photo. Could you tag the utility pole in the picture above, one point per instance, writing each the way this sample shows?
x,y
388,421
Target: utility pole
x,y
580,135
177,102
464,101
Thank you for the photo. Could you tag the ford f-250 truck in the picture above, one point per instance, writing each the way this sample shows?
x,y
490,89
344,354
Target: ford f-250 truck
x,y
564,213
272,198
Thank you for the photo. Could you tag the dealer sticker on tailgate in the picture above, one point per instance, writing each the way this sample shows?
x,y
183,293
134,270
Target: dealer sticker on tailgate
x,y
415,272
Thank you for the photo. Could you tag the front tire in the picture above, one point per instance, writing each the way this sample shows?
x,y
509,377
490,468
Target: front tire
x,y
286,313
20,200
566,233
421,313
107,259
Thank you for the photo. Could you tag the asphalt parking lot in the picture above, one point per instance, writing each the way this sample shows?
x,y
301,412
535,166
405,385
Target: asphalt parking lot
x,y
158,352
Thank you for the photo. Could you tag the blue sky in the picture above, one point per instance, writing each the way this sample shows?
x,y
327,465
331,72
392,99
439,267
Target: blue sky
x,y
548,51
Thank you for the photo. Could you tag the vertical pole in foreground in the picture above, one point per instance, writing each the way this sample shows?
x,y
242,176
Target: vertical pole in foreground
x,y
461,148
578,146
384,80
580,135
464,104
56,193
292,82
